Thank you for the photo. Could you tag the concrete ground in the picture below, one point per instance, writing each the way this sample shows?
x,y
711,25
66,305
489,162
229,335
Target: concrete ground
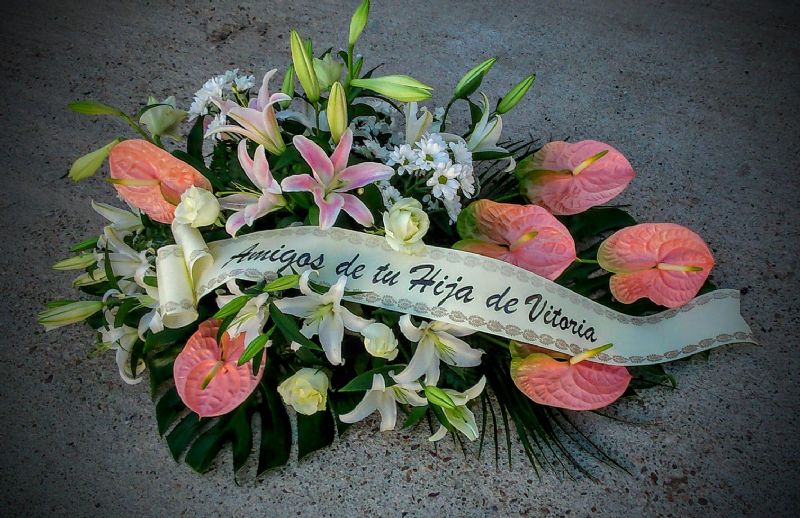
x,y
703,99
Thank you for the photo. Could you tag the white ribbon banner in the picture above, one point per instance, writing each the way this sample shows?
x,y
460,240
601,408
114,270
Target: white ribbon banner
x,y
457,287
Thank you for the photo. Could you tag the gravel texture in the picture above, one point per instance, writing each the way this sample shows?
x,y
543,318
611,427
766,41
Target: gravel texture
x,y
703,99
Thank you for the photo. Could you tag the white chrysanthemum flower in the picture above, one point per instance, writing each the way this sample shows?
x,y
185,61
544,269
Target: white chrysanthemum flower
x,y
244,82
444,181
431,152
389,193
404,157
467,181
218,121
461,153
453,208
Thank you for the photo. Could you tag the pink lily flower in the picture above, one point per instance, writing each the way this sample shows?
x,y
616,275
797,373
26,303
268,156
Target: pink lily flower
x,y
331,177
250,206
257,122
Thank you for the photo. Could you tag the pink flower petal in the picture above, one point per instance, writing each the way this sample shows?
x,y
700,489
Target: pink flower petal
x,y
357,210
583,386
141,160
300,182
664,262
363,174
342,151
231,384
235,222
531,237
315,157
548,179
329,208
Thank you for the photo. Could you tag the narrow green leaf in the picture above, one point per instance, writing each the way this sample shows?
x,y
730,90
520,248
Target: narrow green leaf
x,y
122,311
363,381
255,347
94,108
86,244
286,282
414,416
194,141
233,307
288,328
314,432
112,280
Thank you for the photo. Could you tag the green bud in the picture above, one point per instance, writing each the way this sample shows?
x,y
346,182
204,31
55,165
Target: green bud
x,y
399,87
288,85
328,71
68,314
304,67
515,95
337,111
472,79
88,164
286,282
94,108
163,119
358,21
438,397
78,262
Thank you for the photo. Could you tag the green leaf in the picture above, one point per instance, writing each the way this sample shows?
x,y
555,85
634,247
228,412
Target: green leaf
x,y
167,409
94,108
122,312
597,220
364,381
112,280
255,347
276,431
194,141
88,164
86,244
414,416
178,438
314,432
288,328
233,307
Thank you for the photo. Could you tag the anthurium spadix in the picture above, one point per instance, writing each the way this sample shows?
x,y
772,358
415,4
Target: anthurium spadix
x,y
664,262
323,315
568,178
256,122
399,87
524,235
384,399
331,178
554,379
436,341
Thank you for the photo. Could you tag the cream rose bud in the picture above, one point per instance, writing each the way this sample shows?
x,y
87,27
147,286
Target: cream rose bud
x,y
380,341
306,391
405,224
197,208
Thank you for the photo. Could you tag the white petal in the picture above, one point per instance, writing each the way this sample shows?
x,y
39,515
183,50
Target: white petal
x,y
297,306
331,333
388,410
432,374
475,391
364,408
454,351
408,329
353,322
463,420
439,435
423,358
304,287
336,291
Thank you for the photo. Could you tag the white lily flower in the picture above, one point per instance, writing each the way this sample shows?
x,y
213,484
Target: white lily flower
x,y
125,261
324,316
416,127
461,417
435,341
250,319
384,399
152,320
122,221
122,339
486,133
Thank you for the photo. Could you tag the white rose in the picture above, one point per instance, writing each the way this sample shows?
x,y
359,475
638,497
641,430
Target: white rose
x,y
306,391
405,224
197,208
380,341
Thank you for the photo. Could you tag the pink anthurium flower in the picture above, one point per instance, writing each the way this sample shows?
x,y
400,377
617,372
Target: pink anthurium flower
x,y
330,178
569,178
554,379
151,179
524,235
251,205
664,262
257,122
207,376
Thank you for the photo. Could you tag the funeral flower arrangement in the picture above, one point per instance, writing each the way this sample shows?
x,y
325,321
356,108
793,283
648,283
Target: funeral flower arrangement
x,y
343,152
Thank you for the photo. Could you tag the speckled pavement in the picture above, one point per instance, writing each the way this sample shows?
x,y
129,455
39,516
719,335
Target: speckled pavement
x,y
703,99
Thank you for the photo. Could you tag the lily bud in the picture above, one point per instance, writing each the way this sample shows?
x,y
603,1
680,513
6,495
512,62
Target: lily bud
x,y
163,119
439,397
304,67
288,85
79,262
68,314
399,87
358,21
88,164
515,95
337,111
472,79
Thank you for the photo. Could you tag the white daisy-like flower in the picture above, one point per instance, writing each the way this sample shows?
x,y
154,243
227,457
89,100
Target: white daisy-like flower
x,y
444,181
404,157
461,153
219,120
431,152
389,193
467,181
453,208
244,82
